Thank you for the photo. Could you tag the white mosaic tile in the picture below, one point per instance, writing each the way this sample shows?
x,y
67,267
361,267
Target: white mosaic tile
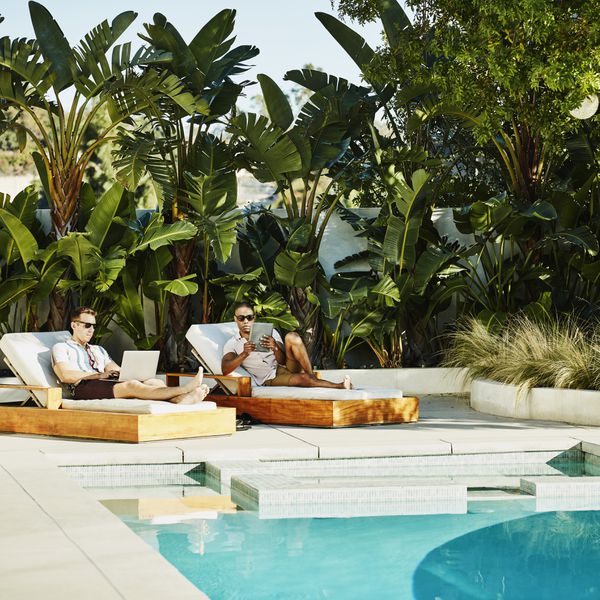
x,y
562,487
132,475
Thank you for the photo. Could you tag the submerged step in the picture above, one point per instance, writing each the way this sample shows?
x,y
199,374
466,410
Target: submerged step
x,y
563,493
561,486
514,465
280,496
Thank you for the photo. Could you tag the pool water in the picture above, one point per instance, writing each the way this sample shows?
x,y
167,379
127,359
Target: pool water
x,y
498,550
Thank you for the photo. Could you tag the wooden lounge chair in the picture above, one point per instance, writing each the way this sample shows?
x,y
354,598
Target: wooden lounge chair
x,y
28,355
317,407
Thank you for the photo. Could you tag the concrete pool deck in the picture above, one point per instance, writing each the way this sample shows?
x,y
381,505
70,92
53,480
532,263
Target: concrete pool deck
x,y
59,542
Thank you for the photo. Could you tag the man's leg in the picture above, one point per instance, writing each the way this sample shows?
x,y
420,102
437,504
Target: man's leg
x,y
296,350
155,382
310,380
190,393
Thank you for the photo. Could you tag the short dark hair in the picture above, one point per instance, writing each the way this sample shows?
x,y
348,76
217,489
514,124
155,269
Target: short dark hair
x,y
242,304
82,310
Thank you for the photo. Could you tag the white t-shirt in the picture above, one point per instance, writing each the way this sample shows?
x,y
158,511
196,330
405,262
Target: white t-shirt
x,y
94,360
262,366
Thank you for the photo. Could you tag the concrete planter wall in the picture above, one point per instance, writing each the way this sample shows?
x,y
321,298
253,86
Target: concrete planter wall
x,y
416,382
580,407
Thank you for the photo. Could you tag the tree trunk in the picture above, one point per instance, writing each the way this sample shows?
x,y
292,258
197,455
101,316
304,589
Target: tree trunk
x,y
64,208
60,307
310,328
179,306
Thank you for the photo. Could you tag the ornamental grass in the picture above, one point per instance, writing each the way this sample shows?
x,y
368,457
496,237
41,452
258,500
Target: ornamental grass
x,y
525,353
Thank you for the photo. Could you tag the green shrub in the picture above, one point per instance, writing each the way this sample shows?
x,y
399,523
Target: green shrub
x,y
561,354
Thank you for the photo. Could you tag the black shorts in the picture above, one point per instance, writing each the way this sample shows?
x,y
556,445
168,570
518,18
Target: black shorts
x,y
92,389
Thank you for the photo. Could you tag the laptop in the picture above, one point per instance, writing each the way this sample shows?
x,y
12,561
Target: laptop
x,y
139,364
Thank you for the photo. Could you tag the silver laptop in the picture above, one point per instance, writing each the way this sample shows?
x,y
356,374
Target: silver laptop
x,y
139,364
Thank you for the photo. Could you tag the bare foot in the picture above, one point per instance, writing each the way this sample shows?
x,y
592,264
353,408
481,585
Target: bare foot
x,y
194,397
195,382
347,384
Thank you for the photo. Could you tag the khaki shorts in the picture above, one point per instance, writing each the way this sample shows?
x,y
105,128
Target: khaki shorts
x,y
284,372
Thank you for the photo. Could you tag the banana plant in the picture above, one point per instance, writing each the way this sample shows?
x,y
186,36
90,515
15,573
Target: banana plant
x,y
35,75
119,261
300,155
522,258
191,167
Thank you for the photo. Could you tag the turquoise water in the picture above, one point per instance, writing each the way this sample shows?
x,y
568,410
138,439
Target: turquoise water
x,y
498,550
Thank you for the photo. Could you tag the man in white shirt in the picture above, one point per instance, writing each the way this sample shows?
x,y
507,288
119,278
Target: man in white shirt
x,y
286,363
92,374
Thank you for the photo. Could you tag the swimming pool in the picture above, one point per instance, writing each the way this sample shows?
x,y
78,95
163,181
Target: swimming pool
x,y
498,550
503,544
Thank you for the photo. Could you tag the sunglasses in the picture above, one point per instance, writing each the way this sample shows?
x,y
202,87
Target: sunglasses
x,y
86,325
242,318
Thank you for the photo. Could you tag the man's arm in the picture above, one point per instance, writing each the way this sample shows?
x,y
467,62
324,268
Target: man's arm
x,y
232,361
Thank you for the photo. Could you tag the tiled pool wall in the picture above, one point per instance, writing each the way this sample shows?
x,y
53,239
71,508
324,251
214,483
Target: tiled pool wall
x,y
128,475
557,480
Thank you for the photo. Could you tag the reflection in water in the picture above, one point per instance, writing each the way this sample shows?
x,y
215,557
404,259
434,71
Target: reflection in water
x,y
549,555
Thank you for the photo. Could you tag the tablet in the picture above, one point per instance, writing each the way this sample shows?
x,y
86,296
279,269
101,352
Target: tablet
x,y
258,331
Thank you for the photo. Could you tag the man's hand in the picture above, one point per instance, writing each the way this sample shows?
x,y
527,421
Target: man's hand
x,y
268,341
248,348
110,374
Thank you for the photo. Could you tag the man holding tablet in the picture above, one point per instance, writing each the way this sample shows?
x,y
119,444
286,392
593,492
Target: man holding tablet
x,y
277,362
92,374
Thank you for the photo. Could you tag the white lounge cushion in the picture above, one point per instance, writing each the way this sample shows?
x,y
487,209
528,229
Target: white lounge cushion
x,y
208,341
319,393
137,407
29,357
7,395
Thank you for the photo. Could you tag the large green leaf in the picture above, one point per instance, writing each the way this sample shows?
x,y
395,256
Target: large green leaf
x,y
13,289
278,107
103,214
222,233
23,207
317,80
266,151
429,264
211,42
48,279
355,46
388,290
394,20
154,270
182,286
129,313
275,309
80,251
211,195
581,237
24,241
54,46
109,266
93,67
296,269
164,36
156,234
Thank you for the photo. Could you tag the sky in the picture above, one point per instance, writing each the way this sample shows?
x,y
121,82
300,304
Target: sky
x,y
286,31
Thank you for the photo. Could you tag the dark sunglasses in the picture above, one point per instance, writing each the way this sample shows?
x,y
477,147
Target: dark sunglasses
x,y
242,318
86,325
